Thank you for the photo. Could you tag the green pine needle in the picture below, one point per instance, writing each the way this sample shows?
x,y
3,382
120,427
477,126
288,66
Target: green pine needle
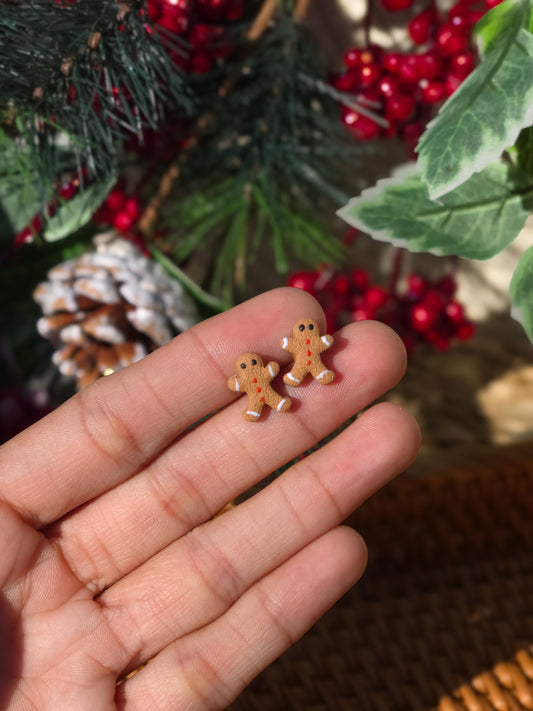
x,y
63,94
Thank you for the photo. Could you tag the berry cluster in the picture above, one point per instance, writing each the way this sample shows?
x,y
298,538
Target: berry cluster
x,y
122,211
404,88
119,210
201,24
425,312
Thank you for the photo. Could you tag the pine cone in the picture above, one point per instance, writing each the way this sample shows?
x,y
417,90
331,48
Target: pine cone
x,y
109,308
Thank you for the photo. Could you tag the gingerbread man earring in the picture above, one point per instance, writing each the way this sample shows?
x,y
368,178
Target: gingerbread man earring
x,y
253,378
306,345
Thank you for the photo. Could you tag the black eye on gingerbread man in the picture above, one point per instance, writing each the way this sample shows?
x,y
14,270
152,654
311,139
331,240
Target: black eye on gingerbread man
x,y
306,349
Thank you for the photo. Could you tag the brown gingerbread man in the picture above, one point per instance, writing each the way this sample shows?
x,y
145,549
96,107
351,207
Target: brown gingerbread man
x,y
306,345
253,378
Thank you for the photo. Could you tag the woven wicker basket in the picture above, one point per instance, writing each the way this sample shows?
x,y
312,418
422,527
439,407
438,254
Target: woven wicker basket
x,y
442,620
443,617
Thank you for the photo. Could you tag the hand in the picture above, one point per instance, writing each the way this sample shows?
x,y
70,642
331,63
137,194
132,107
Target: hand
x,y
110,553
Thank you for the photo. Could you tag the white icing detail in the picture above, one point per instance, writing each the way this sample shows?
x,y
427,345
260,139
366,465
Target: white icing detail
x,y
285,342
291,377
251,412
281,404
321,375
237,386
325,340
271,370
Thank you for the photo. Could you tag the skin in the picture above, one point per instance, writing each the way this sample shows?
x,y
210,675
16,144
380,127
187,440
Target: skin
x,y
110,553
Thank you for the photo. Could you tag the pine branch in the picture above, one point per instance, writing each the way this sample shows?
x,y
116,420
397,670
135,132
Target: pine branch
x,y
77,78
262,21
273,154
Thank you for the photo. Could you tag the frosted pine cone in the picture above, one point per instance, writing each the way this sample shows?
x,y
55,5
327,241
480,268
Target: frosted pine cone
x,y
109,308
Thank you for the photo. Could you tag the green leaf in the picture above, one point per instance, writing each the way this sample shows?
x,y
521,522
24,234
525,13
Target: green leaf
x,y
475,221
202,297
522,292
488,110
73,214
20,195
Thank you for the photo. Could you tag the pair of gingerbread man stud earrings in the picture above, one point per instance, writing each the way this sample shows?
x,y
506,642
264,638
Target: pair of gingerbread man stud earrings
x,y
254,378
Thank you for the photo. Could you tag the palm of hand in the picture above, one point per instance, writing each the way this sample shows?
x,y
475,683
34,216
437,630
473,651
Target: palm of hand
x,y
111,555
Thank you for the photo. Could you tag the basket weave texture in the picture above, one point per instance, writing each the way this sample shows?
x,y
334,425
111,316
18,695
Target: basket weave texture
x,y
442,620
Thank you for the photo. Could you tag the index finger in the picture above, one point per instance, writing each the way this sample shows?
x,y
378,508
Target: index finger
x,y
110,430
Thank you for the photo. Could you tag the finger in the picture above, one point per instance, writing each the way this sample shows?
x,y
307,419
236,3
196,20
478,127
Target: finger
x,y
112,428
208,669
222,458
197,578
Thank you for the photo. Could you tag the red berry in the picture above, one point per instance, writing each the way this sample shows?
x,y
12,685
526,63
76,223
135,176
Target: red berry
x,y
363,312
369,74
462,63
429,65
360,279
409,70
420,26
399,106
36,224
370,54
416,285
68,190
395,5
422,317
361,126
344,81
455,312
451,41
154,10
434,301
489,4
475,16
392,62
303,280
447,285
451,83
115,199
352,57
387,85
376,296
123,221
176,5
25,236
174,20
433,91
460,19
200,35
341,285
350,236
133,207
